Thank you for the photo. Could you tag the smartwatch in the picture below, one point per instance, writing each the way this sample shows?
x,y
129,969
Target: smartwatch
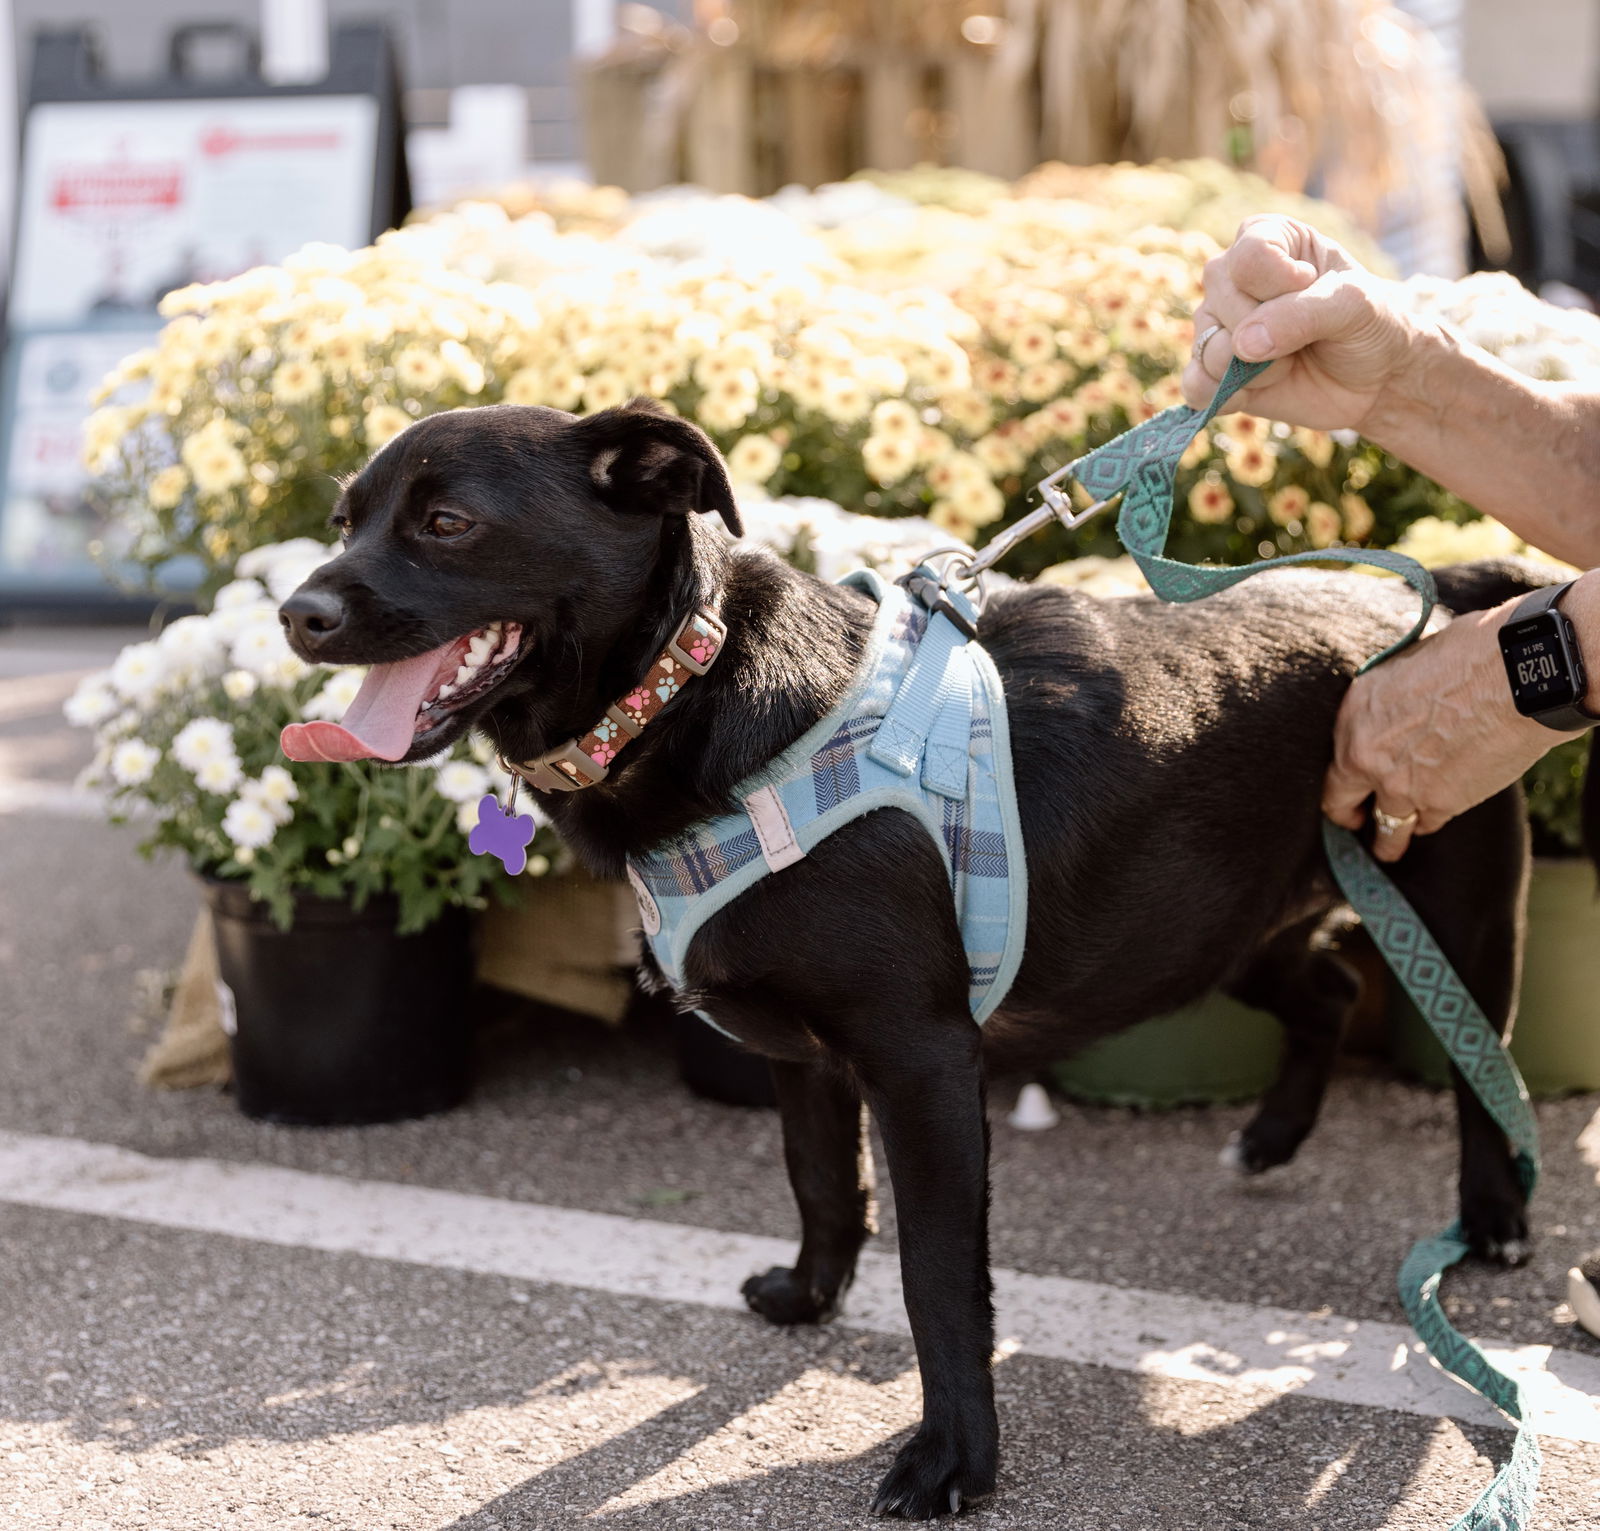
x,y
1544,663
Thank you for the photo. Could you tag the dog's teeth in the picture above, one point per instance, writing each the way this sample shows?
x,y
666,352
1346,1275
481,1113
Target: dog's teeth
x,y
478,650
464,674
445,691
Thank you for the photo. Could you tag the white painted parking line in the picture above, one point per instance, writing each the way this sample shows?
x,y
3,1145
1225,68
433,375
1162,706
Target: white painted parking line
x,y
1233,1345
54,798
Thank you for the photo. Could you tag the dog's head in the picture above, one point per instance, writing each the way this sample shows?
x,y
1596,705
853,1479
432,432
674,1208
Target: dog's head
x,y
493,559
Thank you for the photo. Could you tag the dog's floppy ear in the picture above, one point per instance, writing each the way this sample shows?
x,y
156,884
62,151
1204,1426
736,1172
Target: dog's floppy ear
x,y
641,457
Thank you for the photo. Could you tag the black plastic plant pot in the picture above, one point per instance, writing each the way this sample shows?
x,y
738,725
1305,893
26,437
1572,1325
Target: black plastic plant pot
x,y
716,1068
339,1021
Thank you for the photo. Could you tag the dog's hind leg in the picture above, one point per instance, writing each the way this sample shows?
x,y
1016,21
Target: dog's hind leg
x,y
1467,881
830,1169
1311,991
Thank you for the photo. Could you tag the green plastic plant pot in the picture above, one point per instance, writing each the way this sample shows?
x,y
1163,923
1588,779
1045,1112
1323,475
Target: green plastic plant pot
x,y
1556,1041
1211,1053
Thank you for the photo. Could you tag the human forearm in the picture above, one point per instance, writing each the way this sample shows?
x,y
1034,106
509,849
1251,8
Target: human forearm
x,y
1525,452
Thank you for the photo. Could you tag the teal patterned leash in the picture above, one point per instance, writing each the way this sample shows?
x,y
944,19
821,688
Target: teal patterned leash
x,y
1142,466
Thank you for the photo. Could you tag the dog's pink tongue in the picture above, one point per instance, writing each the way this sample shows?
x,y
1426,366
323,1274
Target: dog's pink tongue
x,y
380,722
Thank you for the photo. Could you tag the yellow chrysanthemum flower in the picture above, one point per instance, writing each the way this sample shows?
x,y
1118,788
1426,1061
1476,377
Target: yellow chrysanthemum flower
x,y
296,380
889,458
382,423
167,487
754,459
418,370
1289,505
1209,501
1253,463
1323,524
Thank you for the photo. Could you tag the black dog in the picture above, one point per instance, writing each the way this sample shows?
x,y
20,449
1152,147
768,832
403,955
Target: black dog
x,y
1169,762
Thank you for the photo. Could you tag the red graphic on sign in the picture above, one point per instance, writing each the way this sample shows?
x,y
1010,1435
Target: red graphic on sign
x,y
117,187
220,140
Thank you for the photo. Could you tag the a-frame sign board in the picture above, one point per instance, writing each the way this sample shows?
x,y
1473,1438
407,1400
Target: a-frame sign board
x,y
127,190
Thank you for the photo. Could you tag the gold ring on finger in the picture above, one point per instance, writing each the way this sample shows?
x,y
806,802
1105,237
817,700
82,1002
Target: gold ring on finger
x,y
1392,823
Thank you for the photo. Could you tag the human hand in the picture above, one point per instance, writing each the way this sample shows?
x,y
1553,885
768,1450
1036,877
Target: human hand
x,y
1284,292
1429,734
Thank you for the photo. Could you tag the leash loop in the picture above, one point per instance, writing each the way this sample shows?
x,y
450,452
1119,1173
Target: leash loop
x,y
1141,465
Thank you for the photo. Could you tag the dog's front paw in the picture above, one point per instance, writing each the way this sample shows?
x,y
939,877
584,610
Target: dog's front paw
x,y
933,1476
782,1297
1496,1230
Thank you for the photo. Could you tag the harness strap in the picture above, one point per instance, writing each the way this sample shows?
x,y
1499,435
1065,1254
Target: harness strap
x,y
1142,465
944,766
928,689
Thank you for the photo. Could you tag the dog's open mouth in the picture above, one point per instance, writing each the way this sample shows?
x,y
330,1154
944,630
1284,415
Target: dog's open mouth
x,y
401,702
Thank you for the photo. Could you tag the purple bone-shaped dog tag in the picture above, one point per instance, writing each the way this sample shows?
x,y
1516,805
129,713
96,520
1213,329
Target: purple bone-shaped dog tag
x,y
501,834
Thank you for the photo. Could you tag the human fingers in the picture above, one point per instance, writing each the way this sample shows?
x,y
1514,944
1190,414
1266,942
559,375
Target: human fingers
x,y
1393,829
1208,358
1273,254
1333,308
1224,298
1345,791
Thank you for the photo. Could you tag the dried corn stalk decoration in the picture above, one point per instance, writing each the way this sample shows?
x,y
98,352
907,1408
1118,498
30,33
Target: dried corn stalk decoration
x,y
1348,95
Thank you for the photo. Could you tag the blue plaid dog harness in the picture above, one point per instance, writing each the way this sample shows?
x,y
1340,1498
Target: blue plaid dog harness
x,y
922,729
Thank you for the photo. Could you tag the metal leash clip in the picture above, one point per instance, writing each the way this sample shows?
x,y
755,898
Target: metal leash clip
x,y
962,569
1060,505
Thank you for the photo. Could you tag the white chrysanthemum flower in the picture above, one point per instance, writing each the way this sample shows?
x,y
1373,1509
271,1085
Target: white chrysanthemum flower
x,y
230,623
133,761
240,685
285,670
275,790
461,781
288,574
93,702
248,824
333,701
239,592
191,642
139,672
221,775
259,645
467,817
259,562
201,740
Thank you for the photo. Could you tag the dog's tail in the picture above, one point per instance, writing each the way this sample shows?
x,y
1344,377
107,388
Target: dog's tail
x,y
1487,582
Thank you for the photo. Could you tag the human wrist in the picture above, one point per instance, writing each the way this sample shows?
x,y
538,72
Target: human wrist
x,y
1581,604
1409,408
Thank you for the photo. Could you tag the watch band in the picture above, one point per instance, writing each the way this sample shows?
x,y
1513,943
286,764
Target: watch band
x,y
1540,600
1573,715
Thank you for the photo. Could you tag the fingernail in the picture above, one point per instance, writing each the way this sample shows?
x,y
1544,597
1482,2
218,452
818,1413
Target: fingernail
x,y
1252,342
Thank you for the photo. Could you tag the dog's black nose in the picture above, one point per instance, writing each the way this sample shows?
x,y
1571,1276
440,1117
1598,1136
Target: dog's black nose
x,y
310,618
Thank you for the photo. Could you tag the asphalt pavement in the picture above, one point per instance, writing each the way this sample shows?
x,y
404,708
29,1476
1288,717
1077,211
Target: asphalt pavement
x,y
159,1371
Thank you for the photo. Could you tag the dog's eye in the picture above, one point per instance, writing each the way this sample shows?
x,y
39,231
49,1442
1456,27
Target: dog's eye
x,y
446,524
341,524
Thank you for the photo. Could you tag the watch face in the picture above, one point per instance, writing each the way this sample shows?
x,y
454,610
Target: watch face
x,y
1539,664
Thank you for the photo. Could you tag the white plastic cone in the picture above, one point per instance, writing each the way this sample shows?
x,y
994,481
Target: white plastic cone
x,y
1034,1112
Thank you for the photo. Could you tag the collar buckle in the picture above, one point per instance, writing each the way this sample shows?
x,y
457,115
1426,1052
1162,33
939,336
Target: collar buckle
x,y
702,624
563,769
